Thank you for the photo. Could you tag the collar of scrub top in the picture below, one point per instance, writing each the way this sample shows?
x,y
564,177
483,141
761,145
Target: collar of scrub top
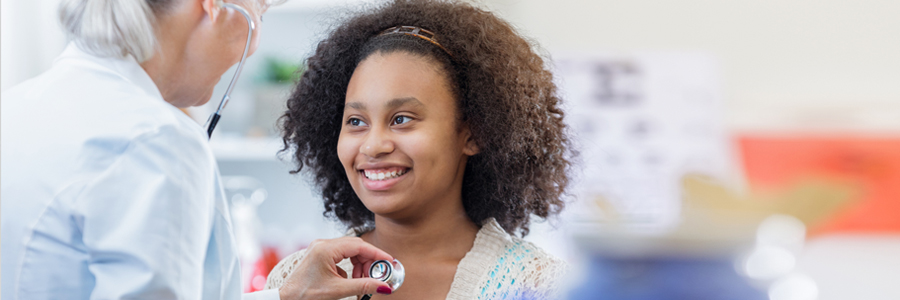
x,y
214,118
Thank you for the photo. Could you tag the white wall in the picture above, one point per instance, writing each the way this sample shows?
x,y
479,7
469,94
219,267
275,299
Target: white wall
x,y
30,38
832,64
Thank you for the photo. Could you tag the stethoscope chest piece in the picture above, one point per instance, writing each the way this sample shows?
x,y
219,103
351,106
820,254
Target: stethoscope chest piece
x,y
390,272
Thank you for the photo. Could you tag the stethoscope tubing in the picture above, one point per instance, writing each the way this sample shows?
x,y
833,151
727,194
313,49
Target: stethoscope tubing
x,y
214,118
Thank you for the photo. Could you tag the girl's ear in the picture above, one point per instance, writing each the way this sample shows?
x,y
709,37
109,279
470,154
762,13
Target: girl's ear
x,y
471,147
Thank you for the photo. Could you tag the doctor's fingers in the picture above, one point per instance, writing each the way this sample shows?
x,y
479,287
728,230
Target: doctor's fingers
x,y
361,286
309,286
360,268
347,247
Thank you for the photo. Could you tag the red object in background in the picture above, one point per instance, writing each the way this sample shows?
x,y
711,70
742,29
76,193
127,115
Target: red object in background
x,y
872,163
261,269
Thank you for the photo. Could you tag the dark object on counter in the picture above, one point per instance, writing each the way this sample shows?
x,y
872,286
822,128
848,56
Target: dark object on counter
x,y
665,278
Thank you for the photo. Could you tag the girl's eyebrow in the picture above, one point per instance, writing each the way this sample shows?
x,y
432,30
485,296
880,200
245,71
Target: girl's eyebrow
x,y
395,103
403,101
355,105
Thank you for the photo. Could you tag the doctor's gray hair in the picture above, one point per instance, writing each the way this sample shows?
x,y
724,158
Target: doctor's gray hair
x,y
113,28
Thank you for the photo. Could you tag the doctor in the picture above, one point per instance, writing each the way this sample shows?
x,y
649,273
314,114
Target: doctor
x,y
108,190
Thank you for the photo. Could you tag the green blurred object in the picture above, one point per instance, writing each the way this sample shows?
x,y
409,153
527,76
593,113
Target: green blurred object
x,y
282,71
274,83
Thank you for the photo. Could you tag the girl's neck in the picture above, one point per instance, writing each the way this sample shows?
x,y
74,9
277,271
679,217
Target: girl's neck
x,y
447,234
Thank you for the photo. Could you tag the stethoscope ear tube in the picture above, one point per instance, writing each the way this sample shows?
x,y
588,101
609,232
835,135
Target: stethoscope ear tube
x,y
211,123
214,118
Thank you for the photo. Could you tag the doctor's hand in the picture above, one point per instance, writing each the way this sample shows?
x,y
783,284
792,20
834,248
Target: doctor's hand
x,y
317,275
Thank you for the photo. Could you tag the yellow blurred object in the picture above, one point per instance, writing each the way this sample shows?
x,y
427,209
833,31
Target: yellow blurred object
x,y
714,219
811,201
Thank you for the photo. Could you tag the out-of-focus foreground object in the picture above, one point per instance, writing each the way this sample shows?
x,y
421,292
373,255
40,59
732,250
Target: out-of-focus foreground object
x,y
851,254
871,163
728,245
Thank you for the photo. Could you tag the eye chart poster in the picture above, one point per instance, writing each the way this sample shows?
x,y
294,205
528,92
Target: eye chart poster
x,y
641,121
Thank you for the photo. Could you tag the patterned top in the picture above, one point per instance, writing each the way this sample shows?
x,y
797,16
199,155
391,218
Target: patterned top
x,y
499,266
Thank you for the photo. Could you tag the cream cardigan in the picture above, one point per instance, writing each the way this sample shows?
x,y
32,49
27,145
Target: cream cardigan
x,y
499,266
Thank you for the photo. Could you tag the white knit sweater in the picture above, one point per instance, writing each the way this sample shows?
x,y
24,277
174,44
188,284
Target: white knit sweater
x,y
499,266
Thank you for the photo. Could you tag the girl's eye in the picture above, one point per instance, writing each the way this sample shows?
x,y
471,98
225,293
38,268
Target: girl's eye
x,y
401,119
356,122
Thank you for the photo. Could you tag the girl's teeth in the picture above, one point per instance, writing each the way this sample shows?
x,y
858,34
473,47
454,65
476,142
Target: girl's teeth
x,y
382,176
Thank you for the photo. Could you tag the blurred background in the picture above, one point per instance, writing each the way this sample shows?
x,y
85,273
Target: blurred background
x,y
729,149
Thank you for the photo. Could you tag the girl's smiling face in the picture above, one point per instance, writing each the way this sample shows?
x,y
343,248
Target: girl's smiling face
x,y
401,143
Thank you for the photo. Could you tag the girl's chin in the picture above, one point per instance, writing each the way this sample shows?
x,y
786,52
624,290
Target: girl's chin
x,y
385,209
381,209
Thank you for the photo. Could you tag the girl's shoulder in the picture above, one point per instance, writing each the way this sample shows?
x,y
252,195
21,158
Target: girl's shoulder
x,y
503,266
493,238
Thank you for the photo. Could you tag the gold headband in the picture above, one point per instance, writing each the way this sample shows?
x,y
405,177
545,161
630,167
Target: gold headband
x,y
416,32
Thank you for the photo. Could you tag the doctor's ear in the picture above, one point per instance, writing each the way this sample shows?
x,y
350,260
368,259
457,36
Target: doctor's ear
x,y
212,8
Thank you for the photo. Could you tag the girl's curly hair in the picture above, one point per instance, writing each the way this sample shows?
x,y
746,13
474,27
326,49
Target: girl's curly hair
x,y
505,95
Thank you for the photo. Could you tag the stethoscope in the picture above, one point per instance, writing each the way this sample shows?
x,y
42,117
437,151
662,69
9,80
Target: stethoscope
x,y
390,272
214,118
